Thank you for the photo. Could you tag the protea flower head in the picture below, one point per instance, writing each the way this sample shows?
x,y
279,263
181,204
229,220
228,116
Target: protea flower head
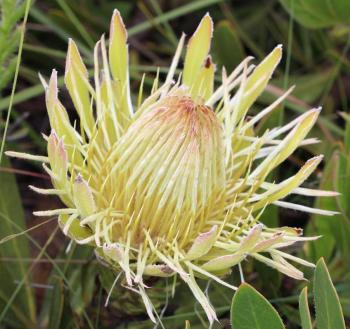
x,y
173,184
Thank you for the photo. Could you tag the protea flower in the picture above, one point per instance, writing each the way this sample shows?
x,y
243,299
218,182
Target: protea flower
x,y
173,184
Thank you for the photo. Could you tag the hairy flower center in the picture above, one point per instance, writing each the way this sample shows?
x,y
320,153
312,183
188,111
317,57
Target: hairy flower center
x,y
167,172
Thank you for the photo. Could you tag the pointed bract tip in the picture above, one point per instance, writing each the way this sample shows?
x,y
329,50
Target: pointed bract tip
x,y
79,179
209,19
53,77
42,80
45,137
53,139
207,14
317,158
75,60
116,12
53,134
83,197
113,251
313,113
117,23
279,50
224,73
71,46
103,38
52,87
206,22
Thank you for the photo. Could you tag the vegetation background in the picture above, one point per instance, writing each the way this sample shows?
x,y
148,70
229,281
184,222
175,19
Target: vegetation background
x,y
46,283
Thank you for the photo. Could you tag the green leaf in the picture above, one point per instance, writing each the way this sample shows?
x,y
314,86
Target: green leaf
x,y
304,310
227,47
318,13
328,310
308,87
22,308
250,309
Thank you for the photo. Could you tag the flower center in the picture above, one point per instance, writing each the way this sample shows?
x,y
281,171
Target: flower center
x,y
167,171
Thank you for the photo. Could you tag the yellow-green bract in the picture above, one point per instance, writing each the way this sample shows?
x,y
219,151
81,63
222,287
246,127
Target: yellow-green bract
x,y
174,184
